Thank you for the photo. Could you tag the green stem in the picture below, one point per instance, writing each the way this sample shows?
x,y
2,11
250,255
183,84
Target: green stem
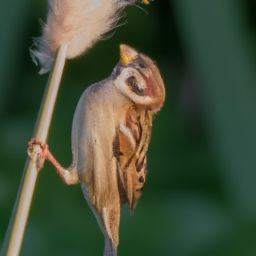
x,y
16,229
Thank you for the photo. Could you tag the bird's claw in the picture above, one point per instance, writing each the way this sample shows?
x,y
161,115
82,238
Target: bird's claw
x,y
37,151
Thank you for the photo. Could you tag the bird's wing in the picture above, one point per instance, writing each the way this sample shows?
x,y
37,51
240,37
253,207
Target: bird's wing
x,y
130,149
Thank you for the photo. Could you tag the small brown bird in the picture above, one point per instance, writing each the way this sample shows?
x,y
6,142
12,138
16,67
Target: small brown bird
x,y
110,136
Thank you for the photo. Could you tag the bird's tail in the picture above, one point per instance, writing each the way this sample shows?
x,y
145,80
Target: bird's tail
x,y
111,219
110,249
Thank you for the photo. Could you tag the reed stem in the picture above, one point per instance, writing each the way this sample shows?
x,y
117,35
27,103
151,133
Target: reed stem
x,y
17,225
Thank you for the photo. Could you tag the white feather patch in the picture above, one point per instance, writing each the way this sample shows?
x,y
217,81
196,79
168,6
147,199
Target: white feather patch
x,y
128,133
77,23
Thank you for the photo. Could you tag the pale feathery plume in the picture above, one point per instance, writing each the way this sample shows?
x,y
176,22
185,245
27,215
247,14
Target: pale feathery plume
x,y
76,23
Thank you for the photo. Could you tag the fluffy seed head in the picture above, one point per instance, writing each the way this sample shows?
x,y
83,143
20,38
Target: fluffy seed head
x,y
77,23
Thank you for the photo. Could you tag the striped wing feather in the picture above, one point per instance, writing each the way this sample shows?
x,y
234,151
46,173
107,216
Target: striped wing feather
x,y
131,146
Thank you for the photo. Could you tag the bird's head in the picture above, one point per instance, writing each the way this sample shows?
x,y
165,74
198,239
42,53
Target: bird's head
x,y
137,77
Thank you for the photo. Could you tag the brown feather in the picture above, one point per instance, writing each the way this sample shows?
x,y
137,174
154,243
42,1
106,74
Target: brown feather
x,y
131,160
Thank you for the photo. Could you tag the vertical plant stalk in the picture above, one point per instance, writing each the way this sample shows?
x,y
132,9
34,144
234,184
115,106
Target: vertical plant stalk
x,y
17,225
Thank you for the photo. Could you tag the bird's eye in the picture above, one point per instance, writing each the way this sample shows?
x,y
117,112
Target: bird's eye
x,y
132,83
141,64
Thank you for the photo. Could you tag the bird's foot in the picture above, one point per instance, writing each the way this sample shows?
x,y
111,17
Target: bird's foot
x,y
37,151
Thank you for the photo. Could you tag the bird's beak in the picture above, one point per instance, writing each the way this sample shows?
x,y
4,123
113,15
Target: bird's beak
x,y
127,54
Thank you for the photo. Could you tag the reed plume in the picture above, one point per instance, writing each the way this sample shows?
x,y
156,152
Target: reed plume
x,y
76,23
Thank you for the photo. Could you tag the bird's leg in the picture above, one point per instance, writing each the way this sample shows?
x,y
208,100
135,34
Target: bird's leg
x,y
69,176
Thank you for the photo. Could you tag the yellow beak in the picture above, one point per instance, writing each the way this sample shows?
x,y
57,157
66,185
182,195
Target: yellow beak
x,y
127,54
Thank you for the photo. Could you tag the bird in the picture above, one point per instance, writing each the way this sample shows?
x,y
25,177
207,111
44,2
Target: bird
x,y
111,132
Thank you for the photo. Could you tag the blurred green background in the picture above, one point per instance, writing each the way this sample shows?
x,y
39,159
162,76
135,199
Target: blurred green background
x,y
200,198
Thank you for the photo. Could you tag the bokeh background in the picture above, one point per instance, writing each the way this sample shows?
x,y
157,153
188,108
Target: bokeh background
x,y
200,198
